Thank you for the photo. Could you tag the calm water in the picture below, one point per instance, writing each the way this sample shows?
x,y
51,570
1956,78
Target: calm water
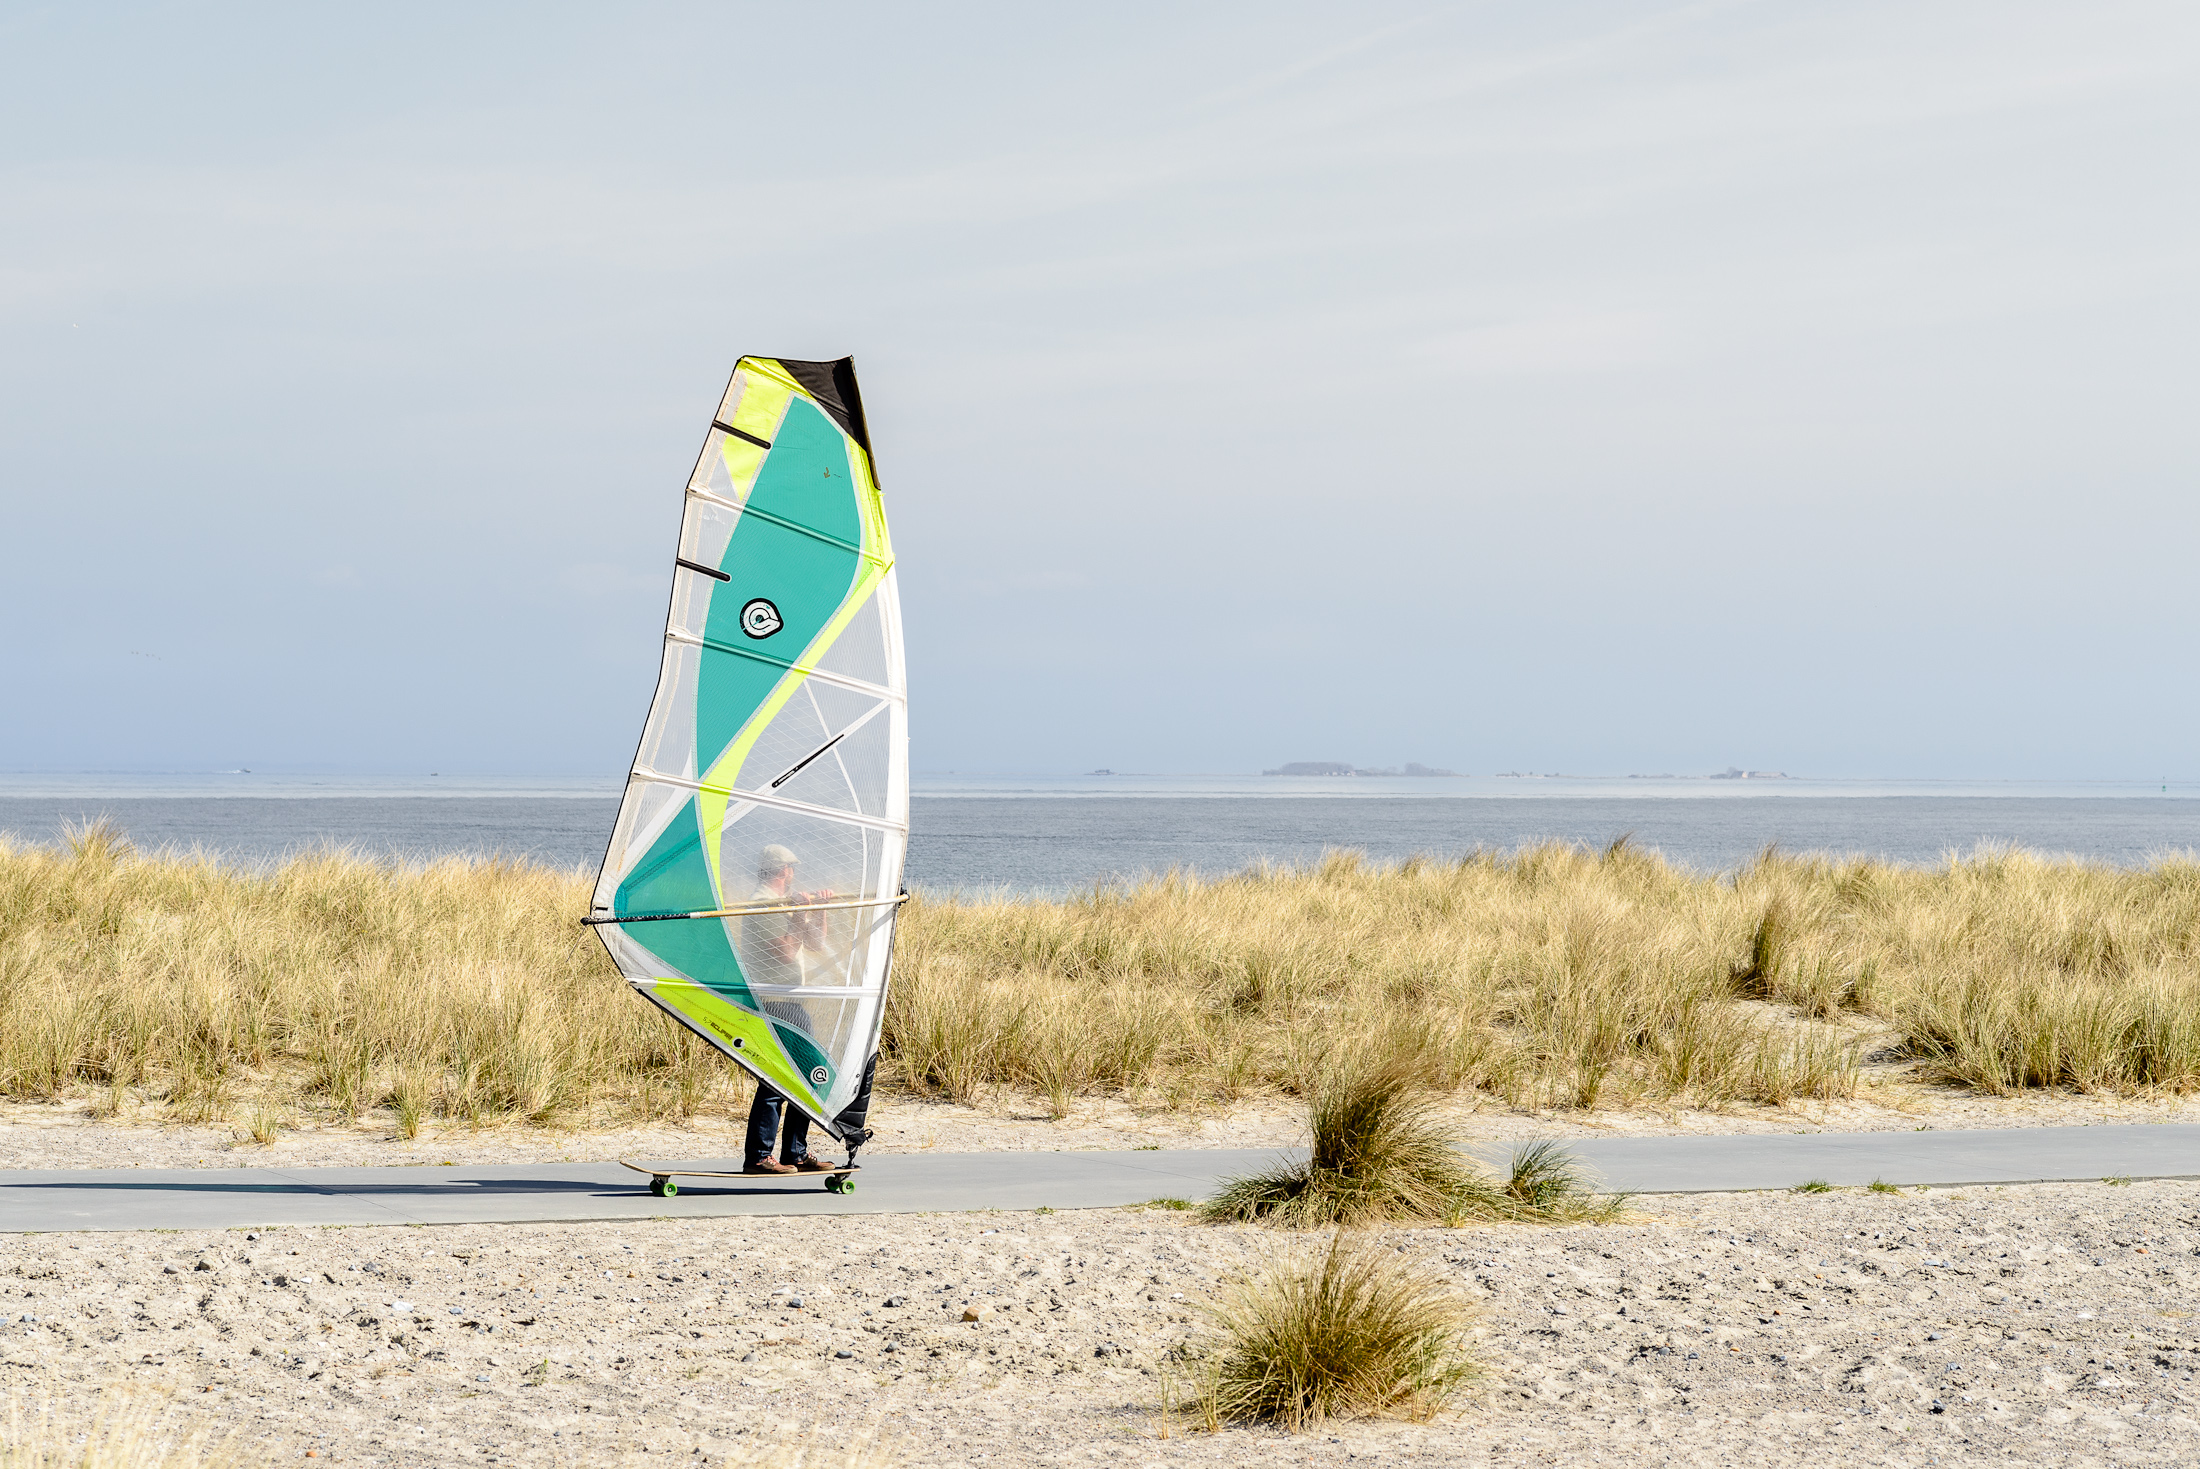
x,y
1054,835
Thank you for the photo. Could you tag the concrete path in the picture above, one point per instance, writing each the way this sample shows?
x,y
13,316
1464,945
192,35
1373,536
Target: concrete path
x,y
1687,1165
921,1183
918,1183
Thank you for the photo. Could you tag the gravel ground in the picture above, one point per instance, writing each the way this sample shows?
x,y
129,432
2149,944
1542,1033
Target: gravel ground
x,y
2038,1325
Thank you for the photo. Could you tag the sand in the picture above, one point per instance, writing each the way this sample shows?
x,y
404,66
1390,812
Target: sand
x,y
2044,1324
70,1135
2049,1324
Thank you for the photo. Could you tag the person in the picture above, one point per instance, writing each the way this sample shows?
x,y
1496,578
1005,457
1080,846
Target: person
x,y
771,953
858,1111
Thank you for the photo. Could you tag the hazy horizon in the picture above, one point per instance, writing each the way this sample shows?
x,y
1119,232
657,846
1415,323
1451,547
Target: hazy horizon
x,y
610,777
1574,388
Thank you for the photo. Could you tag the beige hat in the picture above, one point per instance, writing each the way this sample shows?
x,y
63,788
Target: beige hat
x,y
775,857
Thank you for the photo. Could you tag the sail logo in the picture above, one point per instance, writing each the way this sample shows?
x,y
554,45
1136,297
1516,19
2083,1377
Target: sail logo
x,y
818,1075
760,619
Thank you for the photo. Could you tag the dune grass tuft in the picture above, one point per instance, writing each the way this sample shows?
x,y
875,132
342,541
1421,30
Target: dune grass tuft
x,y
1544,1184
1382,1153
1353,1330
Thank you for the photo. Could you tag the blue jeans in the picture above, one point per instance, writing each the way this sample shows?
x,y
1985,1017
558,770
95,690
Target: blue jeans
x,y
765,1130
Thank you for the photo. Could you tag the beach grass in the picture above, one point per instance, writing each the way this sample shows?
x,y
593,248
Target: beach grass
x,y
467,991
462,991
1381,1153
1351,1330
1559,976
1384,1153
67,1426
133,1426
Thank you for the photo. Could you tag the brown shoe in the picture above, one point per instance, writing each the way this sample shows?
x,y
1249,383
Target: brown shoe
x,y
814,1165
769,1165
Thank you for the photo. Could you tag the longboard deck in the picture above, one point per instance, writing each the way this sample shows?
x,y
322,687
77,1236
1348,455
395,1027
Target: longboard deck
x,y
837,1180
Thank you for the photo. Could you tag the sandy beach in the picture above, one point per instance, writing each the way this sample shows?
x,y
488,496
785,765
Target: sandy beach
x,y
2041,1324
2048,1324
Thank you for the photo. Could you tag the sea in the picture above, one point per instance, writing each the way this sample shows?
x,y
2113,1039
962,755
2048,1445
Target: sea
x,y
1052,835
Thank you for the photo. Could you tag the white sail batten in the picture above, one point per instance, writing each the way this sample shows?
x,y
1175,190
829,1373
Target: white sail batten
x,y
763,798
822,675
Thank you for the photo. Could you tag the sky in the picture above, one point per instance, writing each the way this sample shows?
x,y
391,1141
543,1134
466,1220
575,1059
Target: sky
x,y
1548,386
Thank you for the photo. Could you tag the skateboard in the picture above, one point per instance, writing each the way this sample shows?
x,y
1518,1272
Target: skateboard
x,y
837,1181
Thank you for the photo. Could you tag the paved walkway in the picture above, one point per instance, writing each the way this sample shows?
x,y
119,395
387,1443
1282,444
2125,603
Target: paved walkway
x,y
906,1183
1688,1165
922,1183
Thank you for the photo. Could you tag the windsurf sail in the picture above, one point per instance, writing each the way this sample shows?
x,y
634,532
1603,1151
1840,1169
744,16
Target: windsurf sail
x,y
754,873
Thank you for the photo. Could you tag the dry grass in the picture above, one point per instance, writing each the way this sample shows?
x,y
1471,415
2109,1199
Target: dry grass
x,y
1544,1184
462,991
1553,977
1355,1330
467,991
1557,976
122,1428
133,1427
1383,1153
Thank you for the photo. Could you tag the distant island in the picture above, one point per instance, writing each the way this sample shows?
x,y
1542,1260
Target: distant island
x,y
1338,767
1732,772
